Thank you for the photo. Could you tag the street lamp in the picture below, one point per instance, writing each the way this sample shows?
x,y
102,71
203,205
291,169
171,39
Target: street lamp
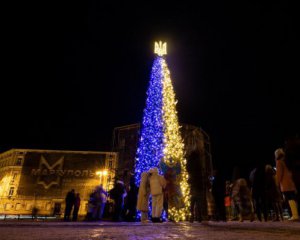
x,y
102,174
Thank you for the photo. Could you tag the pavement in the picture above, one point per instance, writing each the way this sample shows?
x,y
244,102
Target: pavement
x,y
25,230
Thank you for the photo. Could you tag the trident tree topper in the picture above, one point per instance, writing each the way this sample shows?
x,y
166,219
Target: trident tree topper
x,y
160,48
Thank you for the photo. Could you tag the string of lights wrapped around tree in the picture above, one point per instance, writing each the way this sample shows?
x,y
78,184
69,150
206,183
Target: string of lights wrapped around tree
x,y
150,149
160,141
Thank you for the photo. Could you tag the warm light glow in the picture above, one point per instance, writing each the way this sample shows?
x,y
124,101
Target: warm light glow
x,y
4,185
160,48
102,172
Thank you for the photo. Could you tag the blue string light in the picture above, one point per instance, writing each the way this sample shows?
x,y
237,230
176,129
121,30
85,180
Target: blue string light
x,y
150,149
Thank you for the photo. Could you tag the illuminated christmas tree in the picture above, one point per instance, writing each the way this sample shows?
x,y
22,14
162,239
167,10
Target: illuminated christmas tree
x,y
160,142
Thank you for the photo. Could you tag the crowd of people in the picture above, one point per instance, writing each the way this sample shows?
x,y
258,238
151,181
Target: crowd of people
x,y
262,196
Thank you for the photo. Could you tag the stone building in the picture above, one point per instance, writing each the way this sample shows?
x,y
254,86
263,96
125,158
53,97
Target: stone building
x,y
40,179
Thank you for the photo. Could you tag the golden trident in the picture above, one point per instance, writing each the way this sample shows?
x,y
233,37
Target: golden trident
x,y
160,48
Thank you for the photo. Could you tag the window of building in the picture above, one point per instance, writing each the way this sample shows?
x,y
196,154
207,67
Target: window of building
x,y
11,191
19,161
8,206
14,176
18,206
28,206
57,209
110,164
122,143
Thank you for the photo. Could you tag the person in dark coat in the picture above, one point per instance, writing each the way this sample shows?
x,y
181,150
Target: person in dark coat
x,y
257,181
76,207
70,200
91,206
117,194
218,192
131,201
198,187
274,198
103,200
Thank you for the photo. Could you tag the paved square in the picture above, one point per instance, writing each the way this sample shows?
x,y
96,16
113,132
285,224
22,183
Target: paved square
x,y
26,230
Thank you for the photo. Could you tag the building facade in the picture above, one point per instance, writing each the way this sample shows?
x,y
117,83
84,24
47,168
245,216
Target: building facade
x,y
40,179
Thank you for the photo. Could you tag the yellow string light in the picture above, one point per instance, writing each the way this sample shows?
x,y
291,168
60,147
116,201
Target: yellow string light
x,y
174,146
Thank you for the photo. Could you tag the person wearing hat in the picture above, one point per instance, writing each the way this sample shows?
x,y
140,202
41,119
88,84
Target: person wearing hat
x,y
287,185
157,184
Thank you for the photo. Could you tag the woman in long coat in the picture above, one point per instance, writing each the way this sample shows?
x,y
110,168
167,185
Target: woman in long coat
x,y
285,180
143,197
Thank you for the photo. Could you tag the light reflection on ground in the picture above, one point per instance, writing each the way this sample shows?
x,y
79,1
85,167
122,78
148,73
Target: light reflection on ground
x,y
149,231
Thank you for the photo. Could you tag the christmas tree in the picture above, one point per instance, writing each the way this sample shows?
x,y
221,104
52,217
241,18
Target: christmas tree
x,y
160,142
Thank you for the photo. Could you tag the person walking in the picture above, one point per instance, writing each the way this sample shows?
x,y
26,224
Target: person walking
x,y
76,207
70,200
143,197
157,184
287,185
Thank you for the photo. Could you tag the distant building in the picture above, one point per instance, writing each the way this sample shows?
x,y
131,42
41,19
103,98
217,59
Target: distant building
x,y
126,139
40,179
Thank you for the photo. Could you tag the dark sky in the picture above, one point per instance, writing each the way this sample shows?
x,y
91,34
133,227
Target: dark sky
x,y
73,71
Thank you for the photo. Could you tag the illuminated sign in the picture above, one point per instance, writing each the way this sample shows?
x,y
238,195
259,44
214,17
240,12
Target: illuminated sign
x,y
49,175
43,162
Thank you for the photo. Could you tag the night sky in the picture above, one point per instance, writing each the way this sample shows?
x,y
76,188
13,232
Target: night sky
x,y
73,71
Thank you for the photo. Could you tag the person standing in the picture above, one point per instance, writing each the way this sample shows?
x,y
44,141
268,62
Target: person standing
x,y
287,185
76,207
117,194
243,199
100,197
103,195
70,200
157,184
91,206
143,196
218,192
131,201
273,195
198,186
257,180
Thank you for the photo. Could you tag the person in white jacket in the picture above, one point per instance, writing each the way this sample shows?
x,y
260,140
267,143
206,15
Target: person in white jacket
x,y
157,184
143,197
